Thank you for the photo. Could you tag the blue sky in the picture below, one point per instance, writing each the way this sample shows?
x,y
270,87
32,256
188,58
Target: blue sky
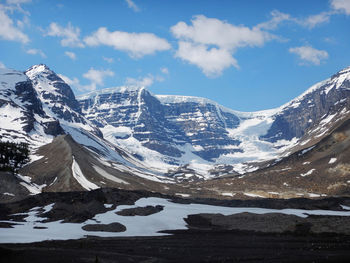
x,y
246,55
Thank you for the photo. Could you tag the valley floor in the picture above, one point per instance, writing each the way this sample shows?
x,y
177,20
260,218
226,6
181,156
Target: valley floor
x,y
187,246
262,230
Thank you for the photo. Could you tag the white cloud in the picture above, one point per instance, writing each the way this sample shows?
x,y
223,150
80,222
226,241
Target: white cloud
x,y
212,61
309,22
71,55
140,82
330,40
341,5
147,80
71,82
15,5
277,18
164,70
212,31
96,78
70,34
209,43
34,51
132,5
135,44
9,31
309,54
108,60
22,23
2,65
17,2
315,20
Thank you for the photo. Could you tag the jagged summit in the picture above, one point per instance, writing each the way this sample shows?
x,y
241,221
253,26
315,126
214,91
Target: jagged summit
x,y
59,99
38,69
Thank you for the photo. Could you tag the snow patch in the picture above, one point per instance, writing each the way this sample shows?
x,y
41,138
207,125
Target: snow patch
x,y
9,194
228,194
332,160
308,173
79,176
170,218
108,176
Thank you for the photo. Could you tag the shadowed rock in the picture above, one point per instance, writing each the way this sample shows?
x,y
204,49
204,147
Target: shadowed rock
x,y
141,211
113,227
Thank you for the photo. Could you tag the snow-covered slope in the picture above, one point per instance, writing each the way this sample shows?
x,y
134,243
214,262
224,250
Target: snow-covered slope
x,y
35,107
315,111
22,118
168,132
202,137
57,98
133,131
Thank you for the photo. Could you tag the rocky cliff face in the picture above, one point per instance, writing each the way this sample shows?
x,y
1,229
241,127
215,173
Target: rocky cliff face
x,y
161,124
327,99
185,131
21,111
57,97
37,105
171,135
127,137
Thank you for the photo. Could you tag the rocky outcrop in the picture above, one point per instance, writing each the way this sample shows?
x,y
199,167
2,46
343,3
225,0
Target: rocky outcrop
x,y
57,96
327,98
182,129
160,126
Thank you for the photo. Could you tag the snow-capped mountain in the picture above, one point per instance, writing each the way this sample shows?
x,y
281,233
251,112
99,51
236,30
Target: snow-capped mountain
x,y
22,116
325,102
36,106
122,136
200,135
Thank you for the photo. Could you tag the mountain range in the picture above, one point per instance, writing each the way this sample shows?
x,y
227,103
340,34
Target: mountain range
x,y
126,137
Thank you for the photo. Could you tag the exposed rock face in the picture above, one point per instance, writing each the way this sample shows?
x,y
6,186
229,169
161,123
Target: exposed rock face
x,y
27,96
113,227
10,188
186,138
138,110
282,223
204,124
20,108
38,104
141,211
327,98
161,126
182,129
57,97
53,128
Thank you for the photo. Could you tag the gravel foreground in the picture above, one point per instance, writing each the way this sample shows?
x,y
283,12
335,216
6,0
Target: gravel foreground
x,y
243,237
187,246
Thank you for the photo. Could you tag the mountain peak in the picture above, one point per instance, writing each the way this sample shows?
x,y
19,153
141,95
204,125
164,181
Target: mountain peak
x,y
345,73
38,69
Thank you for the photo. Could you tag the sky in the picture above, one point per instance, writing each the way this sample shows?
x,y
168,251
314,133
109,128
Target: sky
x,y
247,55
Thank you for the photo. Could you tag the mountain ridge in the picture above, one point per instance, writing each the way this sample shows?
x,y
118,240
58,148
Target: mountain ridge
x,y
134,137
265,132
